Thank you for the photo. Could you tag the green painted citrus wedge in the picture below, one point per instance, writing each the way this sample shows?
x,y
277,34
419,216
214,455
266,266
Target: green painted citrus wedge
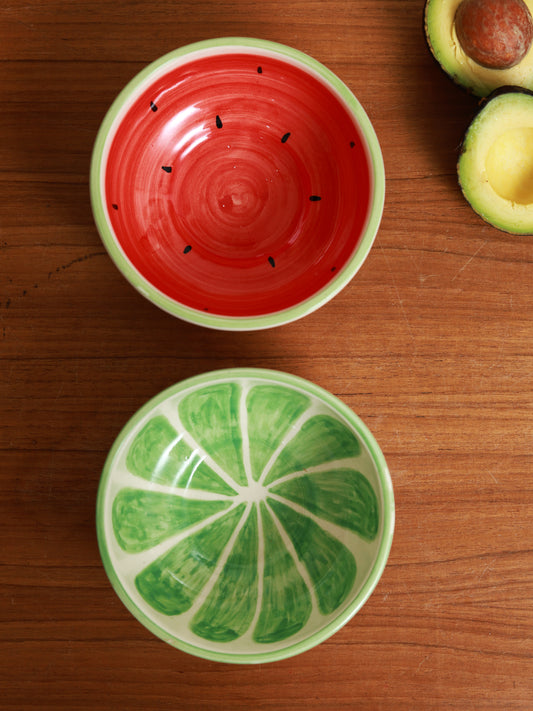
x,y
160,455
171,583
342,496
331,566
142,519
271,411
245,515
211,415
226,613
320,439
286,601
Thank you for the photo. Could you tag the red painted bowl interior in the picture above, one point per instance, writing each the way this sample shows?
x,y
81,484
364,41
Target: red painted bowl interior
x,y
238,184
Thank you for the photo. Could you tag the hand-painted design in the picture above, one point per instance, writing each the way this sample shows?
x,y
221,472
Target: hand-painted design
x,y
259,70
286,603
153,106
212,417
114,206
230,606
264,433
272,411
142,519
352,144
266,208
167,168
159,454
321,439
272,261
330,564
342,496
285,137
315,198
187,249
218,121
172,582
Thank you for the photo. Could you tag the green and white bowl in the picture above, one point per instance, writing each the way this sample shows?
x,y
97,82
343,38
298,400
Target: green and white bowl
x,y
245,515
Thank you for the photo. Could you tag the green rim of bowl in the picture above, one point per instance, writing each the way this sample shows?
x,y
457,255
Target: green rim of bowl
x,y
231,323
388,514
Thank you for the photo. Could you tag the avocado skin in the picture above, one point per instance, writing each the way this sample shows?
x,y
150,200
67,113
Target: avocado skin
x,y
456,79
484,100
427,36
470,84
507,89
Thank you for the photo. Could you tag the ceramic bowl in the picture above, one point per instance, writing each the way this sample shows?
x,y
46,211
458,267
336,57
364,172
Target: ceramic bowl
x,y
245,515
237,183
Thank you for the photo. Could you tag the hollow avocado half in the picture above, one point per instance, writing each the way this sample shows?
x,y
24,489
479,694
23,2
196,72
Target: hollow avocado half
x,y
495,166
439,26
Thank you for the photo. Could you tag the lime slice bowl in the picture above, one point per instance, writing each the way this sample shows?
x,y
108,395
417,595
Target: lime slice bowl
x,y
245,515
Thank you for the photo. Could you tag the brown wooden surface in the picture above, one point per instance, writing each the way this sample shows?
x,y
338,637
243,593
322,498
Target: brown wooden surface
x,y
431,344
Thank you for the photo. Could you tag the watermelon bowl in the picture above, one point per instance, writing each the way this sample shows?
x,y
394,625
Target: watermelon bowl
x,y
245,515
237,183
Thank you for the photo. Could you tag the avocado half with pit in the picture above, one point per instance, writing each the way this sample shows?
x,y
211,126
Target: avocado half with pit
x,y
484,26
495,167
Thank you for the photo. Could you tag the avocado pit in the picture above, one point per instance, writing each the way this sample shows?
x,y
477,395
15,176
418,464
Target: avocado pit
x,y
496,34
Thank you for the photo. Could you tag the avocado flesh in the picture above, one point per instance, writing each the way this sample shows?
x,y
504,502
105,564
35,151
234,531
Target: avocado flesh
x,y
495,167
442,40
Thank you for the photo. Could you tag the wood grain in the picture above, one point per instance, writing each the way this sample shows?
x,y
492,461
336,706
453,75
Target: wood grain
x,y
431,344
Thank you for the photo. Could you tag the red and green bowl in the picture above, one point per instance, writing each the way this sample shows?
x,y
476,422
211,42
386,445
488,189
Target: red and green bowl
x,y
237,183
245,515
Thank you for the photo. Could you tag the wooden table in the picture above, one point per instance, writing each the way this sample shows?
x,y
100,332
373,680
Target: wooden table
x,y
431,344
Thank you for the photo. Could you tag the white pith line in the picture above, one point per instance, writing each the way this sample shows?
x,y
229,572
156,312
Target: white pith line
x,y
208,587
138,561
173,417
260,567
296,427
245,438
338,532
294,555
347,463
132,481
